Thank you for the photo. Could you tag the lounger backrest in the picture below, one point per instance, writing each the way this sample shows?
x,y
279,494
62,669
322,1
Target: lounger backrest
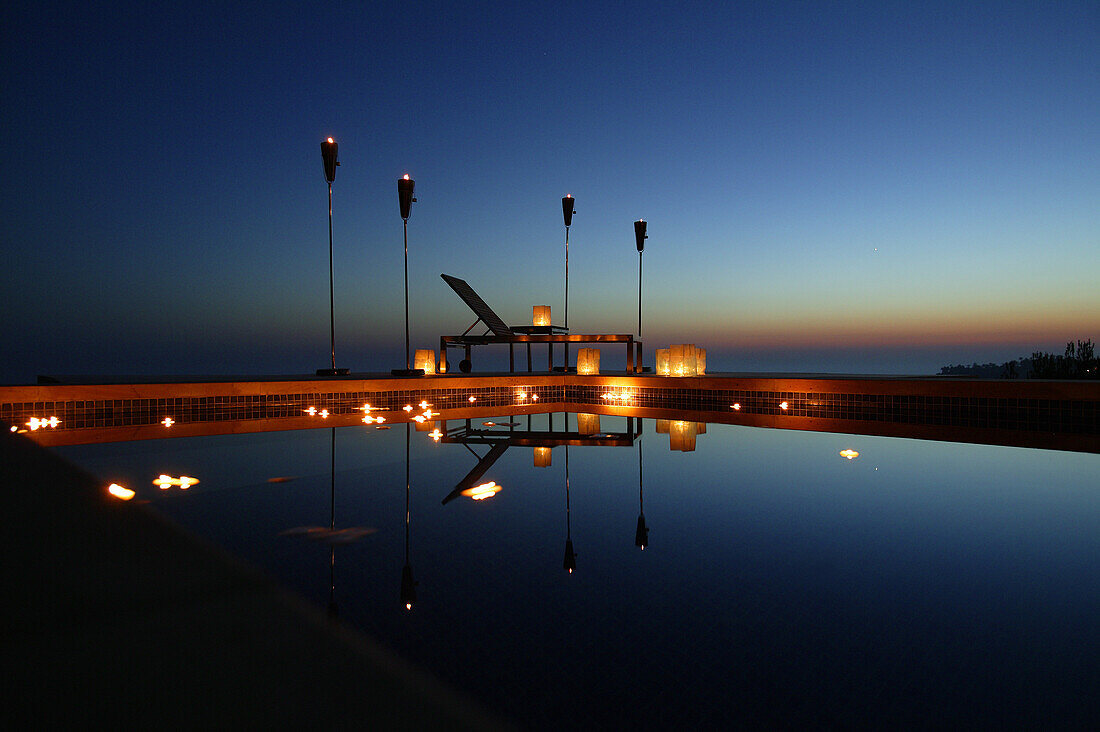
x,y
475,303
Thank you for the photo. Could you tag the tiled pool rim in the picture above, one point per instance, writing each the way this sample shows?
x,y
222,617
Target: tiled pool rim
x,y
1055,414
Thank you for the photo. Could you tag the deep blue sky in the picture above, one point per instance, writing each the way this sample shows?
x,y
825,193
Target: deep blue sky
x,y
877,187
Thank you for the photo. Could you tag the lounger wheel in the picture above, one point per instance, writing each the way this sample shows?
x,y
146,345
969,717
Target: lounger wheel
x,y
464,365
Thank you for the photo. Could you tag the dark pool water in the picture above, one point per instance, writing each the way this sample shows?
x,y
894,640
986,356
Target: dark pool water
x,y
921,584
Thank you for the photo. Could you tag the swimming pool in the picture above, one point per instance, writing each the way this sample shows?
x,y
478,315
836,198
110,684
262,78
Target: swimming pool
x,y
781,583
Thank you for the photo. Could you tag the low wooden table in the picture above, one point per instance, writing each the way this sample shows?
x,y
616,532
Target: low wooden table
x,y
633,357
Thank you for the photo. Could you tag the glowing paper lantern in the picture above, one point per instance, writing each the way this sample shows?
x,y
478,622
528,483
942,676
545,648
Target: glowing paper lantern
x,y
425,359
588,424
681,359
588,361
662,362
700,361
543,455
540,315
681,436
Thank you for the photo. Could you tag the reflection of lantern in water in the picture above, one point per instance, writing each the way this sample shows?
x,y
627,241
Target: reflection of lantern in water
x,y
662,362
662,426
588,361
540,315
588,424
543,456
424,425
425,359
682,436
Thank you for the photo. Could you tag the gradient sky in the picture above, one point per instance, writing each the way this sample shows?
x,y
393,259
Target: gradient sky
x,y
864,187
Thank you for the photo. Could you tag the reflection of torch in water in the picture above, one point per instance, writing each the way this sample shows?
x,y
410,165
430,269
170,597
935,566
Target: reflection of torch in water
x,y
570,561
641,533
332,527
405,198
408,584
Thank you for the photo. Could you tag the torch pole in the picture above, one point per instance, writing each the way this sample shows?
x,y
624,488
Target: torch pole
x,y
331,301
406,226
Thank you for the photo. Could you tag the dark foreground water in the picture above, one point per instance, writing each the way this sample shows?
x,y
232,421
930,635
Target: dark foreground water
x,y
919,584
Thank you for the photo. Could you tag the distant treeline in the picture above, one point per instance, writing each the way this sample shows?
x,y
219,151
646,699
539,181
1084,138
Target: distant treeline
x,y
1078,362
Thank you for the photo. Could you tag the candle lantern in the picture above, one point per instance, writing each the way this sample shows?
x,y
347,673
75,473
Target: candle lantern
x,y
588,361
588,424
700,361
543,456
662,426
540,315
425,359
682,436
662,362
682,359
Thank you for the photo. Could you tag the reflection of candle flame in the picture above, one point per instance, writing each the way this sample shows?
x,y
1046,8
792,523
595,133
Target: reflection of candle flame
x,y
311,411
118,491
168,422
737,407
35,423
483,491
783,405
849,453
407,407
166,481
473,399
